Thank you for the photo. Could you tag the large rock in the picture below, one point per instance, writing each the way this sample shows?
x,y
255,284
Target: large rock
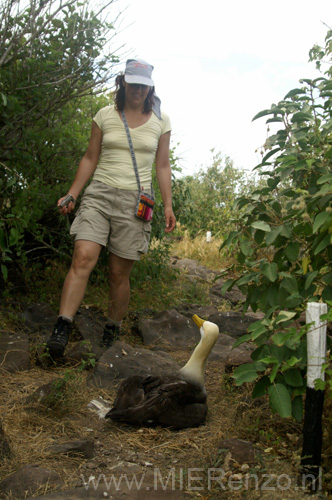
x,y
121,361
169,329
83,447
193,270
203,312
146,490
14,353
39,318
233,323
233,296
223,351
90,324
239,356
29,479
47,395
5,451
243,452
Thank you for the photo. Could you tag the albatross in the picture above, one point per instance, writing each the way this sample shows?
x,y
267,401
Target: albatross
x,y
178,400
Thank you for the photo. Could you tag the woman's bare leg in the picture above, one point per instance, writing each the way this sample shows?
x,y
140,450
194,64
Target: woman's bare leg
x,y
119,293
85,257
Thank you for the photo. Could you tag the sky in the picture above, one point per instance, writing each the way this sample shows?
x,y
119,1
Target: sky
x,y
218,63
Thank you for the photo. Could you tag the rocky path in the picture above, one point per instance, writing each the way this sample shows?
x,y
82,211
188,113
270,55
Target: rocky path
x,y
54,442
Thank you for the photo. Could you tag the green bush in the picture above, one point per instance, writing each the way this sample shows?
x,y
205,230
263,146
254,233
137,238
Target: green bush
x,y
283,240
52,60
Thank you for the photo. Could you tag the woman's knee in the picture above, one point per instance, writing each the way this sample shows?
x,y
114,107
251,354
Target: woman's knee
x,y
118,277
119,270
85,255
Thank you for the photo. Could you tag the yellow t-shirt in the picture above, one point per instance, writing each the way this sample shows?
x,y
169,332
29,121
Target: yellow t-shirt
x,y
115,167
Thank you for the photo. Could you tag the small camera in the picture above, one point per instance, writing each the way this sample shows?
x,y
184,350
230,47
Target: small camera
x,y
65,202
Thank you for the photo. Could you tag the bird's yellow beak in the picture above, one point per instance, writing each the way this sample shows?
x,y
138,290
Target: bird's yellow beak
x,y
199,322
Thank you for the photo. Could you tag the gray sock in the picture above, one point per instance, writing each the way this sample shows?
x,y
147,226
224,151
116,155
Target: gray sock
x,y
67,318
112,322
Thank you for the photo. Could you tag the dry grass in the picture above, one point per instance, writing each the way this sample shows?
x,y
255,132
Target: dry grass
x,y
206,253
32,428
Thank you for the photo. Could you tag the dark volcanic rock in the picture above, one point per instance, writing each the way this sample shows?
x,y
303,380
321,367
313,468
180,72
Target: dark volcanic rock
x,y
121,361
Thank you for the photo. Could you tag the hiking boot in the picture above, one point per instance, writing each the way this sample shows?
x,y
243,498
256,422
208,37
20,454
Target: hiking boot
x,y
111,333
59,338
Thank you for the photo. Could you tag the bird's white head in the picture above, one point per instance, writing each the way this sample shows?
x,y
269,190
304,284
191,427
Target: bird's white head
x,y
194,368
207,329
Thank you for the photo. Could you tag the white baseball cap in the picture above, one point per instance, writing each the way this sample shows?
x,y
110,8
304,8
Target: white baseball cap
x,y
138,71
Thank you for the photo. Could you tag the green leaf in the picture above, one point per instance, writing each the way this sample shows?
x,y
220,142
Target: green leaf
x,y
279,338
260,387
290,284
310,278
327,278
57,23
325,178
241,340
320,385
301,117
246,278
293,377
4,271
292,251
280,400
320,219
229,239
327,293
272,295
265,112
3,244
274,372
269,360
258,332
4,99
272,235
297,408
263,226
272,152
14,236
275,119
227,285
259,236
245,373
284,316
281,353
293,301
257,326
294,92
246,248
323,244
286,230
270,270
291,362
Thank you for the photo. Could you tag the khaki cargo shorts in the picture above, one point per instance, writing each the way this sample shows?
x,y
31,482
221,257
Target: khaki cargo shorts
x,y
106,216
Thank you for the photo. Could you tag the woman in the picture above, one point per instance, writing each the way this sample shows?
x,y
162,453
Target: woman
x,y
106,214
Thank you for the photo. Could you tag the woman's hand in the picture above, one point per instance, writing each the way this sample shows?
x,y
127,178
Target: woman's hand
x,y
170,220
67,207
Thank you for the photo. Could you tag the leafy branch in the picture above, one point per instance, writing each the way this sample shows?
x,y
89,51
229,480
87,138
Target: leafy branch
x,y
283,241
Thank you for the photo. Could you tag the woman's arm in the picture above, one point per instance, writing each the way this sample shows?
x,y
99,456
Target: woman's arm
x,y
86,167
164,178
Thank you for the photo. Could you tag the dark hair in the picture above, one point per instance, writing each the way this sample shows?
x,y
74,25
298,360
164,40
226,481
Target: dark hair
x,y
119,96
